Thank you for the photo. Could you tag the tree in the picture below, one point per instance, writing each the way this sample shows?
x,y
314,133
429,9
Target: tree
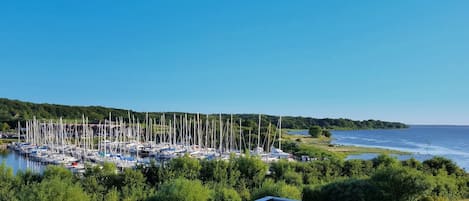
x,y
182,190
5,127
354,168
293,178
327,133
133,185
315,131
53,171
156,174
349,190
7,183
401,184
384,160
279,189
252,169
437,164
278,169
54,188
412,163
225,194
220,171
447,187
185,167
112,195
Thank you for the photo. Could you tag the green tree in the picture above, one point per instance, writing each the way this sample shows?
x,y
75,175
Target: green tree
x,y
412,163
5,127
7,183
437,164
251,169
349,190
294,178
280,189
155,174
220,171
112,195
401,184
354,168
327,133
279,169
225,194
53,171
185,167
315,131
448,187
133,185
54,189
94,188
182,190
384,160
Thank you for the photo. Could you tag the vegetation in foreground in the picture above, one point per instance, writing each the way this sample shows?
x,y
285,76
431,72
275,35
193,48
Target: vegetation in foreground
x,y
246,178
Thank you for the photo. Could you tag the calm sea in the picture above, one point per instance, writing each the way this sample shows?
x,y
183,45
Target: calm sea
x,y
423,141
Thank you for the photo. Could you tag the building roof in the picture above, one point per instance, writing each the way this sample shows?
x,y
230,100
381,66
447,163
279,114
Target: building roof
x,y
271,198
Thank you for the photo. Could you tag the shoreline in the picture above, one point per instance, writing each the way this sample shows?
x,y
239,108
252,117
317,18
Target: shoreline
x,y
343,150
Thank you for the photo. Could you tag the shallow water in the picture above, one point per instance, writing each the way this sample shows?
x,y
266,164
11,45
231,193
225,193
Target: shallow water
x,y
423,141
18,162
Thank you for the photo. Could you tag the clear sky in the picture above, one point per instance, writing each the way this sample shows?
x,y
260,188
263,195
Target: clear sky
x,y
403,60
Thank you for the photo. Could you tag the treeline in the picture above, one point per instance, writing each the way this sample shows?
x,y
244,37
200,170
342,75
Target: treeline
x,y
12,111
246,178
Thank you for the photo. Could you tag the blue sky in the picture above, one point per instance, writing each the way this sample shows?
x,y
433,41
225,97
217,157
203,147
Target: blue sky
x,y
398,60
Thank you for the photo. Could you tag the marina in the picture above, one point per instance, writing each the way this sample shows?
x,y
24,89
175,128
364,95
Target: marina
x,y
131,142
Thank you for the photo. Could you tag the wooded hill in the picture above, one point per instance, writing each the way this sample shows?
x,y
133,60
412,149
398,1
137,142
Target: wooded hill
x,y
12,111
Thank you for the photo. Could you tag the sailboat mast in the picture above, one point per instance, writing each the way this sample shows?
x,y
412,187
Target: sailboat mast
x,y
19,131
240,148
280,135
259,133
221,135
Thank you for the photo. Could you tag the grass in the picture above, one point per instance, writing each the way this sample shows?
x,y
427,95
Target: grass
x,y
325,144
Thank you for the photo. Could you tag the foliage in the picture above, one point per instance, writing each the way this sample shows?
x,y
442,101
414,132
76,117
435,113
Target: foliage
x,y
12,111
326,133
357,168
384,160
220,171
182,190
251,169
7,183
245,178
225,194
4,127
54,188
279,189
401,184
315,131
185,167
437,164
349,190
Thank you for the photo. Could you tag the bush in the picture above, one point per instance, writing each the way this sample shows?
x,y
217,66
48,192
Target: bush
x,y
182,190
315,131
401,184
349,190
225,194
279,189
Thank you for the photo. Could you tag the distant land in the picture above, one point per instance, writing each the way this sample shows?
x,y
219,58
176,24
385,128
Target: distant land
x,y
12,111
